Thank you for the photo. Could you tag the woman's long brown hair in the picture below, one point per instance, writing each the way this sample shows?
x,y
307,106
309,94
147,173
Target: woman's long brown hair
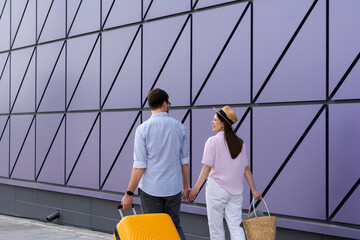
x,y
234,143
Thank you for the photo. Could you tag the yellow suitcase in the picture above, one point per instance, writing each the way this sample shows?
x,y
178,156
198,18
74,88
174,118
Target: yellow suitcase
x,y
154,226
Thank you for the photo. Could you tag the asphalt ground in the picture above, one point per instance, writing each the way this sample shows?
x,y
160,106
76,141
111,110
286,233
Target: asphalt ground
x,y
27,229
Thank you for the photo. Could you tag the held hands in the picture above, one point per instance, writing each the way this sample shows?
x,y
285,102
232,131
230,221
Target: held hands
x,y
185,193
192,195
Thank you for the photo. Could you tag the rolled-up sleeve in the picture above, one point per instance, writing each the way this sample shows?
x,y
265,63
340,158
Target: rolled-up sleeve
x,y
140,154
184,152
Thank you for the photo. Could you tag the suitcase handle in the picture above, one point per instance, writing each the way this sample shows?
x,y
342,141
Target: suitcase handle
x,y
121,212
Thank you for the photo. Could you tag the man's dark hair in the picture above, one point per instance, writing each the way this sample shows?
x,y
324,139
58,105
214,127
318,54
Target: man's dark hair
x,y
156,98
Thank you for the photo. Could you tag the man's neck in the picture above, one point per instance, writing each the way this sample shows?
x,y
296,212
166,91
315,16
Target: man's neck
x,y
157,110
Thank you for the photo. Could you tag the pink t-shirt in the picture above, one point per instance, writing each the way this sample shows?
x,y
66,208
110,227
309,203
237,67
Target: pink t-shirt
x,y
227,172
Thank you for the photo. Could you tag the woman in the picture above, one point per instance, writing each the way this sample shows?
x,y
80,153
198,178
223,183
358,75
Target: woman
x,y
224,165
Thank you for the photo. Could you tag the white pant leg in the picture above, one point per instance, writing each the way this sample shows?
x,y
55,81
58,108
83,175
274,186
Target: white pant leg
x,y
216,198
233,211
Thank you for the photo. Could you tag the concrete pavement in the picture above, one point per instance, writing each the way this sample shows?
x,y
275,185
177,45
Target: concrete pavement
x,y
20,228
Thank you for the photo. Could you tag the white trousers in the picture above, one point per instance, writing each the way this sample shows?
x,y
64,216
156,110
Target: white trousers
x,y
220,204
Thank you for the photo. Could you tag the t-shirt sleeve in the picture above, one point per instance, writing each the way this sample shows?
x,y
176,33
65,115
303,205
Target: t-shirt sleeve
x,y
209,153
245,155
184,152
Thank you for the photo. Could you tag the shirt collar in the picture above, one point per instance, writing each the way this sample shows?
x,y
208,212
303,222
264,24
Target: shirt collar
x,y
221,133
160,114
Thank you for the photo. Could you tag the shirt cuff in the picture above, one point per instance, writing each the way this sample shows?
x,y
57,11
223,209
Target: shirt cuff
x,y
139,164
185,161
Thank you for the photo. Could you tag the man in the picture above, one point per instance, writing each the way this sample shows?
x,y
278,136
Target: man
x,y
161,162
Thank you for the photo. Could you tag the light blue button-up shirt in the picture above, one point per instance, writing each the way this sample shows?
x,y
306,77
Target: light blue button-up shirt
x,y
161,146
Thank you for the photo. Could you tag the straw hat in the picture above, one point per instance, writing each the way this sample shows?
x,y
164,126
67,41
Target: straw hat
x,y
228,114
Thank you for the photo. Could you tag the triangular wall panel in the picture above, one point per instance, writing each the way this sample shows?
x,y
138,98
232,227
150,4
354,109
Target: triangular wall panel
x,y
86,171
4,83
22,147
83,73
23,32
84,19
5,25
233,69
274,30
23,81
175,77
125,91
209,39
51,77
301,74
51,20
348,213
4,147
308,197
350,88
122,12
159,37
344,39
161,8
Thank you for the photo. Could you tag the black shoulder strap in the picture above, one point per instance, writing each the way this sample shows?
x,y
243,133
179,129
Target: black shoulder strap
x,y
116,234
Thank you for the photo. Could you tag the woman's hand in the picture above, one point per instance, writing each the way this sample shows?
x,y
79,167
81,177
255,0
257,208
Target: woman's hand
x,y
256,194
193,194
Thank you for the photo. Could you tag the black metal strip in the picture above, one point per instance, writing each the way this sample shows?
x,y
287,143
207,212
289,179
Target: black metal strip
x,y
285,51
120,150
83,71
51,74
147,10
251,52
21,19
3,70
121,66
327,149
22,146
345,76
82,149
168,56
293,151
46,18
3,9
107,15
221,53
242,119
76,13
23,79
50,147
3,131
343,201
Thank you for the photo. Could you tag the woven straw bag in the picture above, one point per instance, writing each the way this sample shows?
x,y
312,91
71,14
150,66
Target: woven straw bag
x,y
260,228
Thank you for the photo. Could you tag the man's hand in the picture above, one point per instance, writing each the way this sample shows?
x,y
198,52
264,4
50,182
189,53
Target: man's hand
x,y
185,193
127,202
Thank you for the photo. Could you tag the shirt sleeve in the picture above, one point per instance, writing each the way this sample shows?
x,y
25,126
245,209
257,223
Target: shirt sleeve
x,y
209,153
184,152
245,155
140,153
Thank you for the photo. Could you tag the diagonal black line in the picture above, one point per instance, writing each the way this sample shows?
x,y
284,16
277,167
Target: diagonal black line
x,y
285,51
3,131
147,10
51,144
343,201
242,119
51,74
345,76
121,148
3,9
3,70
323,107
46,18
221,52
83,71
23,79
168,56
108,14
121,66
82,148
22,146
18,28
76,13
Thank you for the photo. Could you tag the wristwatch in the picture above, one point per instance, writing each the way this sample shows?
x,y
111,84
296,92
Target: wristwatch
x,y
130,193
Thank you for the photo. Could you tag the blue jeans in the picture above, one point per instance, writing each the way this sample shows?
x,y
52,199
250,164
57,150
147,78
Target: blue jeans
x,y
169,205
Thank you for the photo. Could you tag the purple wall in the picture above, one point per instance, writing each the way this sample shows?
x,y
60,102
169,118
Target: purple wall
x,y
74,78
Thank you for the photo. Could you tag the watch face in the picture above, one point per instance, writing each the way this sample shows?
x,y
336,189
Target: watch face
x,y
129,193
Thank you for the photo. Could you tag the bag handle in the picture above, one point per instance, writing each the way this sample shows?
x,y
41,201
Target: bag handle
x,y
253,206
